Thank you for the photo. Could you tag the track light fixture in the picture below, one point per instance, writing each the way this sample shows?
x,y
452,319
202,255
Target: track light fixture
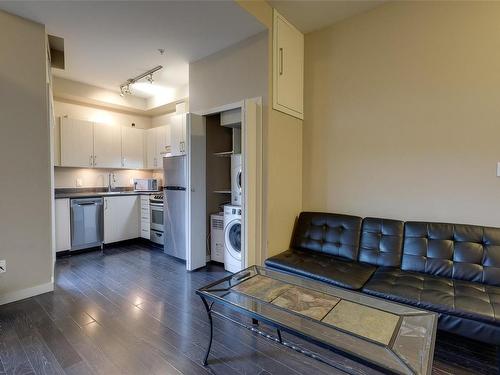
x,y
125,87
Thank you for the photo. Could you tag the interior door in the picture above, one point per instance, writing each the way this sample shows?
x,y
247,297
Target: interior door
x,y
197,219
107,146
252,199
77,143
132,148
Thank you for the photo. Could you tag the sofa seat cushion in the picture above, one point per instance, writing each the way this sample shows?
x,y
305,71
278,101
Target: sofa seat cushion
x,y
452,297
331,269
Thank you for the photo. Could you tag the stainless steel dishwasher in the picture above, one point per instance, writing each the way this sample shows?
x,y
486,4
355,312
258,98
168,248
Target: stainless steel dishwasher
x,y
86,223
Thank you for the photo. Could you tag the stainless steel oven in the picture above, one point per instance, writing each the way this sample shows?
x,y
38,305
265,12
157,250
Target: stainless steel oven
x,y
156,212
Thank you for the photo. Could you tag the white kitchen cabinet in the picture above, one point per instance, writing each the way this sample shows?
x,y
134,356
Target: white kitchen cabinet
x,y
63,225
151,159
121,218
107,146
157,145
162,142
145,218
77,143
288,67
132,148
178,135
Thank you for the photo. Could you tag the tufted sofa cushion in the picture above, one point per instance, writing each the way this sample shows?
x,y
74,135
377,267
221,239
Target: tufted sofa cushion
x,y
459,252
332,234
454,297
331,269
381,242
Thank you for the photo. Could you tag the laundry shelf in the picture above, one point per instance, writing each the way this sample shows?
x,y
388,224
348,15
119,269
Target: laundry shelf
x,y
225,154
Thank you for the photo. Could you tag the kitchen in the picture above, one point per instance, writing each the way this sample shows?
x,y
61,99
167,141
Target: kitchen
x,y
118,109
118,182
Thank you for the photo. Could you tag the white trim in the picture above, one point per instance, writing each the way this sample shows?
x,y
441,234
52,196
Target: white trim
x,y
26,293
222,108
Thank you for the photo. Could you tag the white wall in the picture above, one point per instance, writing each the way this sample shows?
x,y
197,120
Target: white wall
x,y
233,74
402,109
25,184
67,177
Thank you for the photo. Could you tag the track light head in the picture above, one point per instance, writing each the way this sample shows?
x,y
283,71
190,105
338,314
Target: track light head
x,y
150,78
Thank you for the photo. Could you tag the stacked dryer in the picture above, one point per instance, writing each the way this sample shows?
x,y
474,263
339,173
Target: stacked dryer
x,y
232,220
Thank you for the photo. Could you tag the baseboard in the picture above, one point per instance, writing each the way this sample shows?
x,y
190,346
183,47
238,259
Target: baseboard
x,y
26,293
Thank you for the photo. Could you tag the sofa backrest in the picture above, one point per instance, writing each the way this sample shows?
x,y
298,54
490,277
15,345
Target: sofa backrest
x,y
462,252
333,234
381,242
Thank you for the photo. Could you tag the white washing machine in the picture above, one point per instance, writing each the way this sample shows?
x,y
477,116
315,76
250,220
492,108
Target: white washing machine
x,y
236,180
232,238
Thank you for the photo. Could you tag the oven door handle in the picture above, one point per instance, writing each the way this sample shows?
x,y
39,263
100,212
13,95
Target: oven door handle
x,y
156,204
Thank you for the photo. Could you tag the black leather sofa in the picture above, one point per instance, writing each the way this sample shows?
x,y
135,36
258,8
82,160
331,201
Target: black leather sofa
x,y
451,269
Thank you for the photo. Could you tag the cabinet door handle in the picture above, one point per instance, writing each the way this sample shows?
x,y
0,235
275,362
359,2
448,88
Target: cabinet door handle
x,y
90,161
123,162
281,61
95,162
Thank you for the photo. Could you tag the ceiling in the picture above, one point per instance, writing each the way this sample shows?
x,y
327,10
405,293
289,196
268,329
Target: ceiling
x,y
311,15
107,42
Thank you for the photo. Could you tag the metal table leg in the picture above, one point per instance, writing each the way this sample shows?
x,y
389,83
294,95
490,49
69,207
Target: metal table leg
x,y
209,313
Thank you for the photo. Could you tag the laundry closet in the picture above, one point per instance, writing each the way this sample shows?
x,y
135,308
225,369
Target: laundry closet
x,y
224,188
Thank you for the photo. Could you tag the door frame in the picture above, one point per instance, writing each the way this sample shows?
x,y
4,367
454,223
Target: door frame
x,y
252,171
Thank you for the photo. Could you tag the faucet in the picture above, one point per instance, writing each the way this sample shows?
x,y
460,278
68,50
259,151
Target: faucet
x,y
110,183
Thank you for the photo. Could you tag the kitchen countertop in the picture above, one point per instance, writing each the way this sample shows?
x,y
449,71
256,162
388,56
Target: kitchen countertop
x,y
93,194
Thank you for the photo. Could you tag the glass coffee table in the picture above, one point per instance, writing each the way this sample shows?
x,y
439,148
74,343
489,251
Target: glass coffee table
x,y
386,336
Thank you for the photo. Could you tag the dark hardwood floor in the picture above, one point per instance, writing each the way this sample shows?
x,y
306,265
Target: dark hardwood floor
x,y
133,310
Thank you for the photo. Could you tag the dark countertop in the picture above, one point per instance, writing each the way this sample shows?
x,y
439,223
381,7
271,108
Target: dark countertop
x,y
98,194
64,193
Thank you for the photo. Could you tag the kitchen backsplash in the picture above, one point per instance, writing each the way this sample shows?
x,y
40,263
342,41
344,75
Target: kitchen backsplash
x,y
87,177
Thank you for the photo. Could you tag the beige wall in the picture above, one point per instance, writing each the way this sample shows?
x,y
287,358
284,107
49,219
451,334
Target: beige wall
x,y
282,173
25,184
233,74
402,113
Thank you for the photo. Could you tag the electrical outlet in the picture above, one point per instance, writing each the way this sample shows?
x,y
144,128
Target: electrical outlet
x,y
79,182
3,266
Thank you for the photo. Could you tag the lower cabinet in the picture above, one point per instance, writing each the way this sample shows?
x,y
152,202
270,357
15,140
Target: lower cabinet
x,y
121,218
145,218
63,225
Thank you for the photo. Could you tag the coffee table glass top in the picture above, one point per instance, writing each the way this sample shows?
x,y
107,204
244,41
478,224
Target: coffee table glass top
x,y
391,336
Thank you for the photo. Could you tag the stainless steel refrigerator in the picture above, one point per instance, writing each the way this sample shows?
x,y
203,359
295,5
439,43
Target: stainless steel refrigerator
x,y
175,205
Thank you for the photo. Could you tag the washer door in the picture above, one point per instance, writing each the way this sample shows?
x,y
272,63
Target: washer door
x,y
232,234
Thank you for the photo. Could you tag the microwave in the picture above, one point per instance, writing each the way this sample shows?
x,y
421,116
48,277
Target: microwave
x,y
146,184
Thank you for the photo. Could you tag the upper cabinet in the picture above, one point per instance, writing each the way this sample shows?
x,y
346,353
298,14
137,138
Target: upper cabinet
x,y
92,145
157,145
178,135
288,67
132,148
77,143
87,144
107,146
